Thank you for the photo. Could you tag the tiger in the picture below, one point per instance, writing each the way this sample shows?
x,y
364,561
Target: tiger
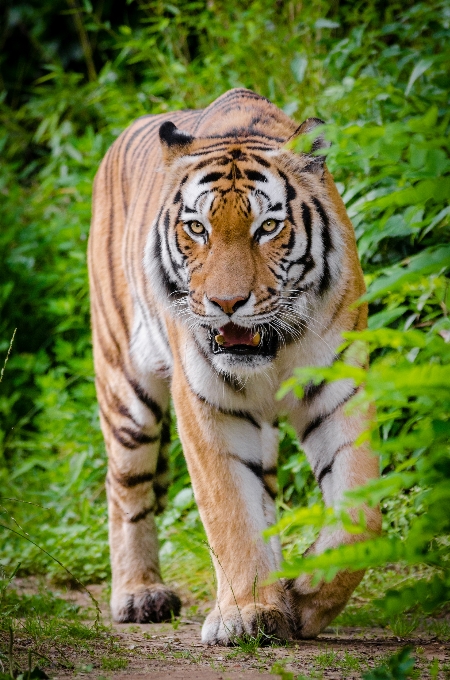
x,y
220,259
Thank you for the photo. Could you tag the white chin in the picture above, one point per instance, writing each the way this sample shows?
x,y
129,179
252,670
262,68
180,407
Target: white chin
x,y
241,364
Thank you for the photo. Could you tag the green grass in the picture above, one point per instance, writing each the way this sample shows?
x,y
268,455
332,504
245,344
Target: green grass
x,y
441,629
349,662
326,659
403,625
332,660
111,664
54,631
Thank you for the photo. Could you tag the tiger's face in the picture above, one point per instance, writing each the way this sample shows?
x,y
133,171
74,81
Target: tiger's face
x,y
243,246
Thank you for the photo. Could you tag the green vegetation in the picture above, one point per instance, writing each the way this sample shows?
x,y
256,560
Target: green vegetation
x,y
379,76
44,629
111,664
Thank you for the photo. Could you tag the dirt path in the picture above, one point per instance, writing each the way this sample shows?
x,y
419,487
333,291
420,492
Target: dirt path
x,y
174,651
159,651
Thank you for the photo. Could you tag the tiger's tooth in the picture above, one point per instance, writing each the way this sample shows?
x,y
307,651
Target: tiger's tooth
x,y
256,339
219,339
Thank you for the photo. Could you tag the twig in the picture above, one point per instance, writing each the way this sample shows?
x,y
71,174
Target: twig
x,y
7,355
84,40
27,538
19,500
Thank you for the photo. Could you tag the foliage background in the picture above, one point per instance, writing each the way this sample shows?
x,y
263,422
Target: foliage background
x,y
74,75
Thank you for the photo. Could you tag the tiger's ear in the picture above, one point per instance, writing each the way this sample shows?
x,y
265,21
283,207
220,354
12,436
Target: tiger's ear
x,y
174,142
314,162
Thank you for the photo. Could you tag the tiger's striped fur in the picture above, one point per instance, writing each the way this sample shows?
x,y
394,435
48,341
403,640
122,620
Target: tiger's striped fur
x,y
207,235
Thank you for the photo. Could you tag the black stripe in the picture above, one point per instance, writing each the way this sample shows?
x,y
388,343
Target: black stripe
x,y
290,191
128,438
165,431
109,245
276,275
317,422
122,409
133,480
270,471
307,221
241,135
244,415
255,176
327,246
140,515
306,259
256,468
209,161
169,285
211,177
313,425
117,405
162,466
311,391
258,471
269,492
325,471
145,131
223,146
261,161
160,489
329,467
138,437
290,244
144,397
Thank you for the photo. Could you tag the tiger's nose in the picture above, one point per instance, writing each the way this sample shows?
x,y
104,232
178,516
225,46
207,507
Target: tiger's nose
x,y
230,306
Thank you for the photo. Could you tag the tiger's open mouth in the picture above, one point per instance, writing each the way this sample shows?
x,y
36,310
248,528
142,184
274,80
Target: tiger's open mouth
x,y
234,339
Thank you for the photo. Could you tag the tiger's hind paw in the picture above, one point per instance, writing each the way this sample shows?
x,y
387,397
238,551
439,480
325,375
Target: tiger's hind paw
x,y
148,604
253,624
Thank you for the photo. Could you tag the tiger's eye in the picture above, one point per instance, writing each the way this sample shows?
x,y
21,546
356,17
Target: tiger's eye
x,y
269,225
196,227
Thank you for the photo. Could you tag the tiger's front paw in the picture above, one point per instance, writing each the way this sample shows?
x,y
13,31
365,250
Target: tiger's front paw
x,y
147,604
225,626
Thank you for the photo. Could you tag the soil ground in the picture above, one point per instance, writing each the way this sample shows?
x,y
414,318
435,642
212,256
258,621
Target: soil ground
x,y
174,651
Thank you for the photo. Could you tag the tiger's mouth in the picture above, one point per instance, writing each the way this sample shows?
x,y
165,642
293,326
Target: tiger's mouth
x,y
234,339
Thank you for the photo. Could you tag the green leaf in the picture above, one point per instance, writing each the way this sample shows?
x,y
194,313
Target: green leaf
x,y
298,67
429,261
418,70
385,317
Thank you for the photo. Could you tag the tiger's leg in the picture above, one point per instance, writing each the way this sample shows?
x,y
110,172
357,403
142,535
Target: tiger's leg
x,y
135,426
328,433
231,459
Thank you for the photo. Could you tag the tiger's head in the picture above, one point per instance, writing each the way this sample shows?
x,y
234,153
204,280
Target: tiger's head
x,y
242,249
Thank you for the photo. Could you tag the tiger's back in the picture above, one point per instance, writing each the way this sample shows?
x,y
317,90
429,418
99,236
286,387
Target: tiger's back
x,y
217,258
